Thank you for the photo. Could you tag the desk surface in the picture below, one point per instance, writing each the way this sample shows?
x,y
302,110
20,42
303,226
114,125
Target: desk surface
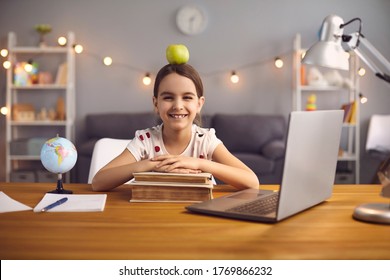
x,y
167,231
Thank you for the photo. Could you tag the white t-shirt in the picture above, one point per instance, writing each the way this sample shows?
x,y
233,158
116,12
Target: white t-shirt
x,y
149,143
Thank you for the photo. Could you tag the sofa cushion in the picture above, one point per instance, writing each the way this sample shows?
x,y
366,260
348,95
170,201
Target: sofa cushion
x,y
259,164
274,149
248,133
118,125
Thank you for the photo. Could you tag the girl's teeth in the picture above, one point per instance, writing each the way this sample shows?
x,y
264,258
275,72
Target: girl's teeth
x,y
178,116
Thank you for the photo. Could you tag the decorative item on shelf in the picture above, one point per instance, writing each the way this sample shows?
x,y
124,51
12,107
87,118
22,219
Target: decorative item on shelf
x,y
334,78
315,78
20,74
26,73
349,112
23,112
311,102
62,74
33,72
42,29
47,115
59,155
45,78
303,75
60,109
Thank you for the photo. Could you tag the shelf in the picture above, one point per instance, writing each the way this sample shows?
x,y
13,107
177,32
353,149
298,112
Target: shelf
x,y
39,87
350,125
24,157
58,97
322,88
38,123
347,157
31,50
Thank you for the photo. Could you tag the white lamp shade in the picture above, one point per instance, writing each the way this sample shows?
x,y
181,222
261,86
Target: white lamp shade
x,y
328,52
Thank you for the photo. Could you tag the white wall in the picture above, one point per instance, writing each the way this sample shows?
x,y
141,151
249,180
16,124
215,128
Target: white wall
x,y
244,35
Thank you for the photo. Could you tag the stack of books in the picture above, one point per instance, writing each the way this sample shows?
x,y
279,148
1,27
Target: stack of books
x,y
171,187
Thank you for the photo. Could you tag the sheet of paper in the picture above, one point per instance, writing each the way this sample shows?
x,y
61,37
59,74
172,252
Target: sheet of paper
x,y
75,202
8,204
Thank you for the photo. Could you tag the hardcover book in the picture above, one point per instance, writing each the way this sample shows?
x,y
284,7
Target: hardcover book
x,y
171,187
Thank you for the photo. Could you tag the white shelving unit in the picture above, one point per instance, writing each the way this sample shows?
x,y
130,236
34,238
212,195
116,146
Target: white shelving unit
x,y
41,96
350,141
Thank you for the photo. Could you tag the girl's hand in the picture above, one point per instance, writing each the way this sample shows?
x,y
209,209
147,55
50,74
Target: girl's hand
x,y
176,164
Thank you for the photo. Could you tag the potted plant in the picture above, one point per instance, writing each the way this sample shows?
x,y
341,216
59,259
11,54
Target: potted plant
x,y
42,29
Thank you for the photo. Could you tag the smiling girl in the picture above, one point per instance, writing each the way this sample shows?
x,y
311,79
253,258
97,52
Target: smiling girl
x,y
179,144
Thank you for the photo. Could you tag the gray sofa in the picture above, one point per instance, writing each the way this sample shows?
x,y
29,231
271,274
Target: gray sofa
x,y
257,140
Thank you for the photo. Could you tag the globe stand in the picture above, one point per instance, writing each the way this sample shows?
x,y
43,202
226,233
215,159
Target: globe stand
x,y
60,189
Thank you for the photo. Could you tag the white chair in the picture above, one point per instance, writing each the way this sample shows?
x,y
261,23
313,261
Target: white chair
x,y
105,150
378,136
378,140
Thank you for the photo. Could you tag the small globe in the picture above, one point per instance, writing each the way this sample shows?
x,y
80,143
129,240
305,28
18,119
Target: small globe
x,y
58,155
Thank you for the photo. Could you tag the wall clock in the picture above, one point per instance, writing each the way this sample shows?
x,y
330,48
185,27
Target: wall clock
x,y
191,20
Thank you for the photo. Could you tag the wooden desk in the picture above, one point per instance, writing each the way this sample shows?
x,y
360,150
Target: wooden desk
x,y
167,231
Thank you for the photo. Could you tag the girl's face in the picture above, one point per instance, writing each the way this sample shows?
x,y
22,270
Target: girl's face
x,y
177,102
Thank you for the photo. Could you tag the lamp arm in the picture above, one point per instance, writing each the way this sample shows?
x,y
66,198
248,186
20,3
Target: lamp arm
x,y
364,49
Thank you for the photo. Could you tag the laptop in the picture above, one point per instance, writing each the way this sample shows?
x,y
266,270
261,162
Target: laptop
x,y
309,169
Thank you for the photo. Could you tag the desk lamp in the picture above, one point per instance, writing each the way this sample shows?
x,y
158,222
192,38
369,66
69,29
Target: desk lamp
x,y
329,52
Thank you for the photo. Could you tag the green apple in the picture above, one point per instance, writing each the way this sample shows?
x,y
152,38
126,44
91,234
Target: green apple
x,y
177,54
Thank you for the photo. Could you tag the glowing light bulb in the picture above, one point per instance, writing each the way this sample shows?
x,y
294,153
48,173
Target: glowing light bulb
x,y
107,61
62,41
28,67
6,64
361,71
4,111
234,77
78,48
146,79
363,99
4,52
278,62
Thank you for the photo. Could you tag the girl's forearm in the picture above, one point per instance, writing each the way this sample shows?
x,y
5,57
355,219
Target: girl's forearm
x,y
111,177
240,178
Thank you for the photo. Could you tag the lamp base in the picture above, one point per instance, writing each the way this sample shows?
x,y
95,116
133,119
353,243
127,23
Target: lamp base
x,y
378,213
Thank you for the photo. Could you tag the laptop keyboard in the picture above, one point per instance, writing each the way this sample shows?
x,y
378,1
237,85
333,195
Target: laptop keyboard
x,y
262,206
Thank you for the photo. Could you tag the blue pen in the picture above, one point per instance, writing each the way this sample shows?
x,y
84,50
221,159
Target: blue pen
x,y
58,202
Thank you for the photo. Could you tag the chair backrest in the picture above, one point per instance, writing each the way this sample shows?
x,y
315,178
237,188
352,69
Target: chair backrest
x,y
378,135
105,150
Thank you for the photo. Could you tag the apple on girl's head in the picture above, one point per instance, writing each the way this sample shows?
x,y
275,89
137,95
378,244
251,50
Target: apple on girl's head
x,y
177,54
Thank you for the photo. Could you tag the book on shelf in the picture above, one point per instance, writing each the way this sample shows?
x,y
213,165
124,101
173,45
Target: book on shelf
x,y
352,119
171,187
62,74
349,112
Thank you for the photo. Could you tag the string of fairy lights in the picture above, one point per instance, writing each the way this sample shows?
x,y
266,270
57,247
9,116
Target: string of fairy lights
x,y
108,61
147,79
